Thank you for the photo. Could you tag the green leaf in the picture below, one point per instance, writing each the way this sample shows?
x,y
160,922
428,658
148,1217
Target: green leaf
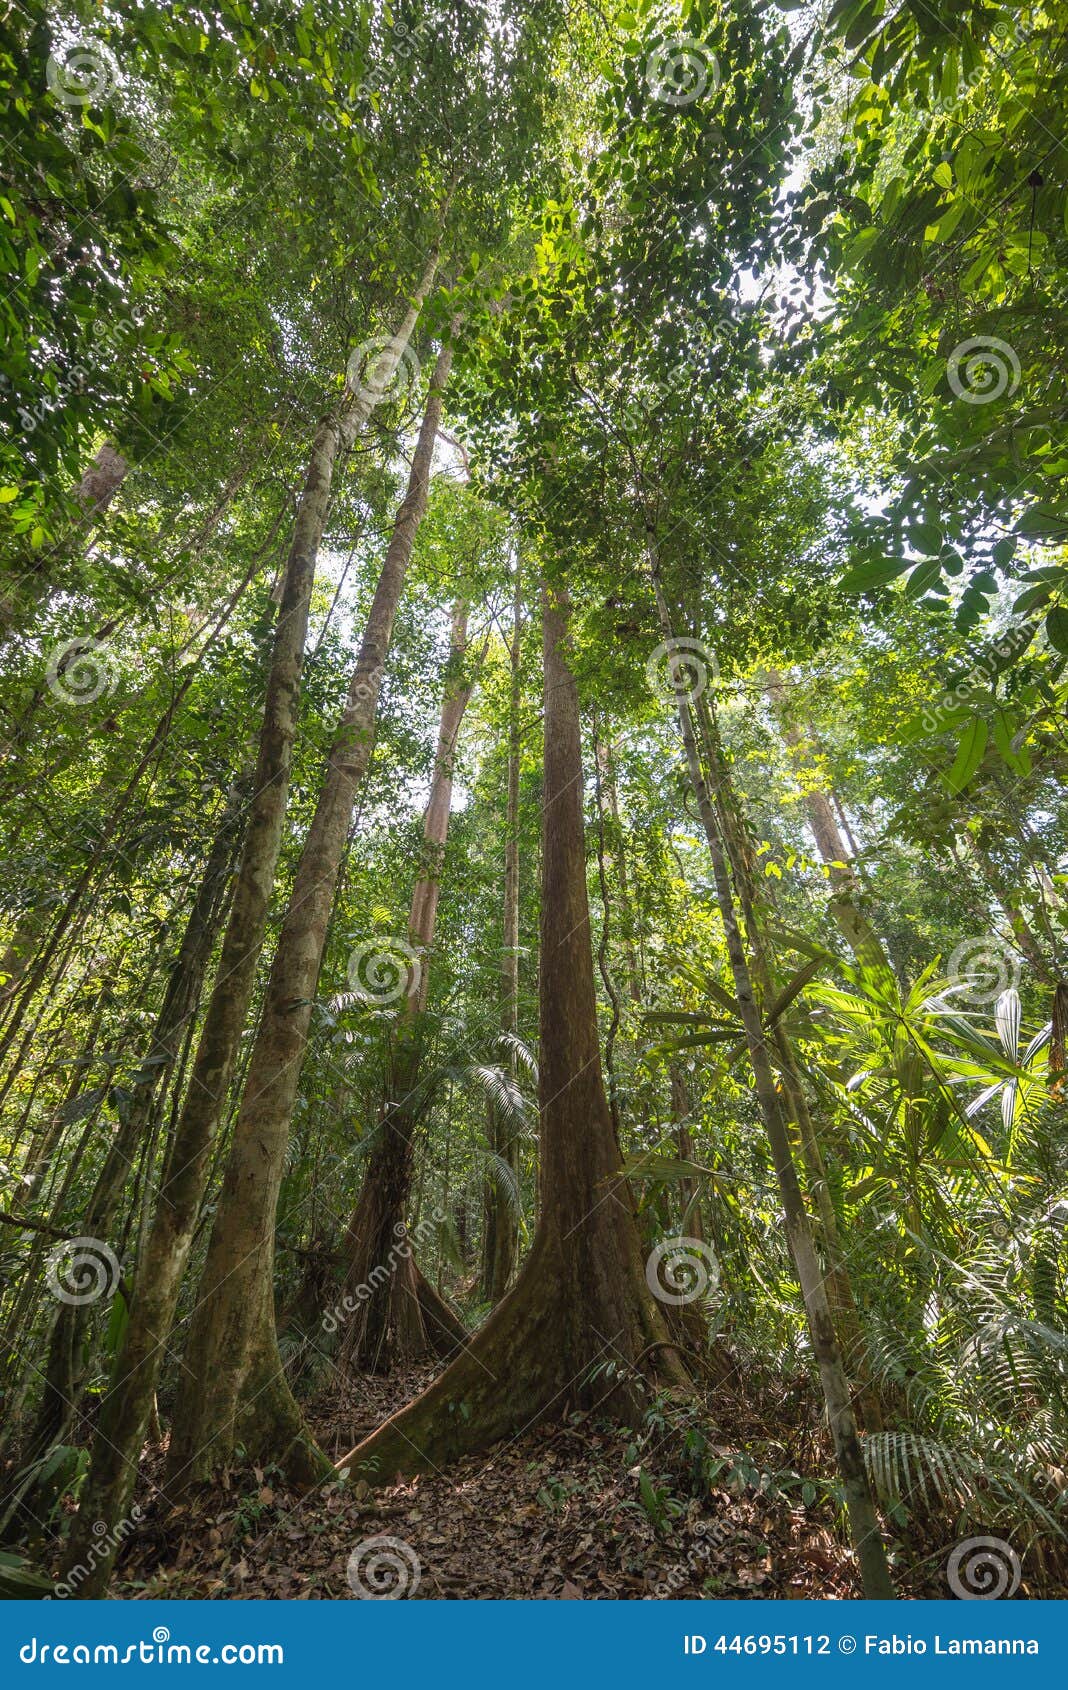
x,y
1041,523
1057,628
1004,728
1032,599
969,755
877,572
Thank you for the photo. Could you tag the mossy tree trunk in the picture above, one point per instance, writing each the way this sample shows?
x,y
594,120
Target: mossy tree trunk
x,y
395,1314
233,1388
501,1226
129,1403
580,1325
864,1522
66,1364
845,904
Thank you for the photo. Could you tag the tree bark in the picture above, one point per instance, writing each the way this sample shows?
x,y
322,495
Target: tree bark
x,y
128,1405
854,925
65,1368
102,480
581,1303
739,847
501,1226
233,1386
690,1219
863,1520
387,1321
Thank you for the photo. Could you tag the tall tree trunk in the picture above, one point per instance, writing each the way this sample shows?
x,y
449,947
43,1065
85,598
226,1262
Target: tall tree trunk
x,y
501,1226
604,947
845,907
581,1300
690,1221
233,1387
396,1315
128,1405
607,780
739,847
65,1367
863,1520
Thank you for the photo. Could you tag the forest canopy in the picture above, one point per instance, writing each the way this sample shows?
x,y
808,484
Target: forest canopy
x,y
533,926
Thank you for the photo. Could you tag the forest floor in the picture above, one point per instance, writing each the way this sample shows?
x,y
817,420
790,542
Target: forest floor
x,y
557,1513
